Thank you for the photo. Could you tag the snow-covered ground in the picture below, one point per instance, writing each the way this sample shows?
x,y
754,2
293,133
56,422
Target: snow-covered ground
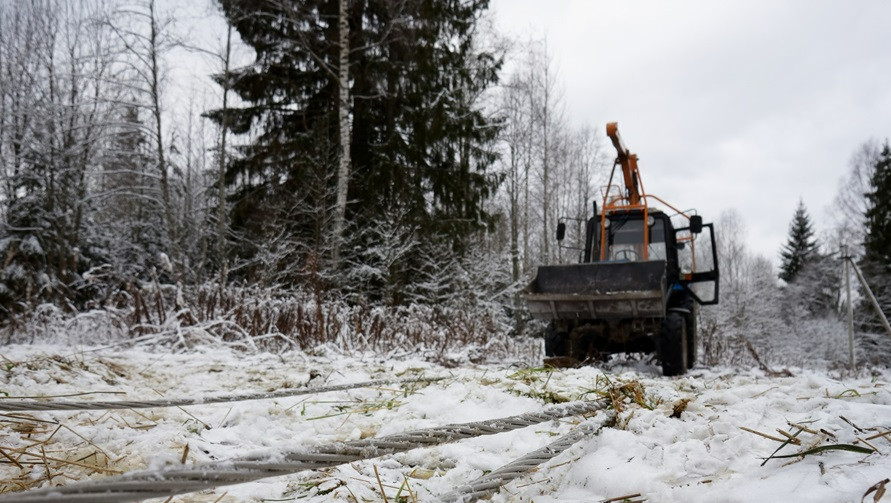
x,y
700,455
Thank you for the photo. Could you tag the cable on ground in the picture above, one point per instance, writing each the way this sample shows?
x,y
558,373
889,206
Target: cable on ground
x,y
177,479
38,405
492,481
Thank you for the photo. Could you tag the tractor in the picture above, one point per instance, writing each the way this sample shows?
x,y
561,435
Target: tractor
x,y
644,269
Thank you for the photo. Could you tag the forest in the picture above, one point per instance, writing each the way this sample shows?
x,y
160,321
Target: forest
x,y
367,175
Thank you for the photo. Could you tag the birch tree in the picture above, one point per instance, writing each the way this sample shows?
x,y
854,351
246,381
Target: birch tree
x,y
343,120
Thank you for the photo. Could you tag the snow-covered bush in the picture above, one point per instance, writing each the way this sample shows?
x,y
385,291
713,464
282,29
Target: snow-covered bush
x,y
255,319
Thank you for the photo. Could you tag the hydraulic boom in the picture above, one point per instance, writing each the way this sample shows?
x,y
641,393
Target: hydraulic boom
x,y
628,161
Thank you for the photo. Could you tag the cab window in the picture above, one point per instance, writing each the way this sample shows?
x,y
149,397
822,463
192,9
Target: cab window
x,y
626,240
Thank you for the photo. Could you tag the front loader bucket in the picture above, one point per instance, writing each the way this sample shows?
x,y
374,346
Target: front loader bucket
x,y
599,290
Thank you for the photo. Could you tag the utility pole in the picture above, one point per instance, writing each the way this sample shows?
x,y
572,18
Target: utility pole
x,y
850,309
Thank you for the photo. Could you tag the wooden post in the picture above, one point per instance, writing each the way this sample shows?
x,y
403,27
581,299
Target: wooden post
x,y
851,362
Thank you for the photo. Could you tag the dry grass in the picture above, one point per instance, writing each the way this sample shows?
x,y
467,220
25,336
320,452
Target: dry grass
x,y
256,319
628,498
36,451
818,441
621,394
44,454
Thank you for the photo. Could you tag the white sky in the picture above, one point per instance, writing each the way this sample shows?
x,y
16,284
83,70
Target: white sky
x,y
745,104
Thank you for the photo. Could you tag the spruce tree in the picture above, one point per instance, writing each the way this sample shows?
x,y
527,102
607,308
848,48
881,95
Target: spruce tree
x,y
877,242
876,263
420,144
801,246
129,213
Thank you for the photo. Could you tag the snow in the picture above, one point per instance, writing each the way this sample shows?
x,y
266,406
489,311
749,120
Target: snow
x,y
31,246
702,455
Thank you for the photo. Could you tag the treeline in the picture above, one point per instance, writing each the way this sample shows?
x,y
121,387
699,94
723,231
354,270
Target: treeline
x,y
802,319
372,151
365,154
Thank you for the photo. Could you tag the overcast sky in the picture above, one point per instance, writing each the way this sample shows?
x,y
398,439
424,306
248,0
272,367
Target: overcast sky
x,y
744,104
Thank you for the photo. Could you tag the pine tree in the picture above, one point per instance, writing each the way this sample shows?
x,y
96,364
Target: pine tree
x,y
878,216
800,248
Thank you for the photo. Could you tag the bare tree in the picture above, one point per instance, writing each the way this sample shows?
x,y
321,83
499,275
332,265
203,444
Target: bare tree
x,y
224,57
547,107
195,182
732,256
55,66
589,167
339,74
146,36
850,201
516,137
222,157
579,168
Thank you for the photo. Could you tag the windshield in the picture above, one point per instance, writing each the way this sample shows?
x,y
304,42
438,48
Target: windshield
x,y
626,239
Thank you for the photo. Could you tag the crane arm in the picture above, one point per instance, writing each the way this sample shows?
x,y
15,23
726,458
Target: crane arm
x,y
628,161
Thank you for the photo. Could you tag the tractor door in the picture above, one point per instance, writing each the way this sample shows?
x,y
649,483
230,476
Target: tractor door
x,y
698,261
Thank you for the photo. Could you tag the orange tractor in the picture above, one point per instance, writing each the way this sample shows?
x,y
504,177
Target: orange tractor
x,y
644,272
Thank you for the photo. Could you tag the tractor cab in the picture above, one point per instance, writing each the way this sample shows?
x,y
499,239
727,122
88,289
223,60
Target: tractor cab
x,y
689,252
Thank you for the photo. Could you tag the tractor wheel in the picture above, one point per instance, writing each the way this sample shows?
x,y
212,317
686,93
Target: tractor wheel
x,y
556,343
673,345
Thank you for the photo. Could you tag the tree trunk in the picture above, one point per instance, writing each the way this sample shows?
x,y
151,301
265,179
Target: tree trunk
x,y
155,93
515,236
221,168
343,116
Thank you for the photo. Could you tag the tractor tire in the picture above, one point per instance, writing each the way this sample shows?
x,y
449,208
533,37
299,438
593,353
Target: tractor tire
x,y
556,343
674,346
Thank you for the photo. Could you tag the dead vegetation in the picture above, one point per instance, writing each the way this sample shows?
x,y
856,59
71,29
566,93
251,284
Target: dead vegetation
x,y
256,319
817,440
43,458
621,393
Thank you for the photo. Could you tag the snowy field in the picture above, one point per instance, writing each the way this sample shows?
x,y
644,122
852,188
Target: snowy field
x,y
701,454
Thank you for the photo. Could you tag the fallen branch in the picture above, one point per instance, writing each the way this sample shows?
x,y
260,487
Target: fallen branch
x,y
765,435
